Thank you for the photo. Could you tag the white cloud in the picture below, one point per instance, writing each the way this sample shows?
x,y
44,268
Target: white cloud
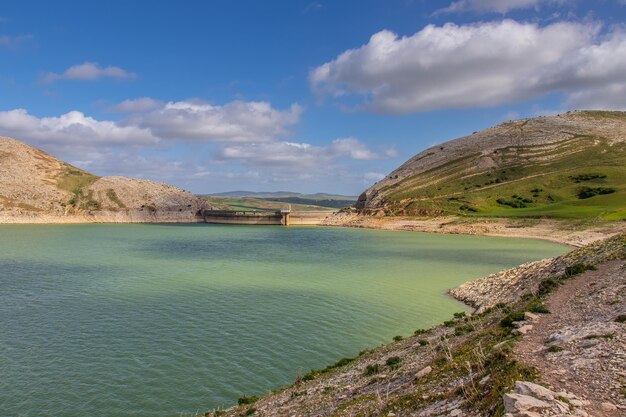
x,y
237,121
88,71
136,105
611,97
14,41
73,128
352,148
373,176
482,64
497,6
298,155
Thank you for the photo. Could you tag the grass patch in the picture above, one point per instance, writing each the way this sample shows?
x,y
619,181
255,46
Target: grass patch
x,y
578,269
114,198
247,400
372,370
316,372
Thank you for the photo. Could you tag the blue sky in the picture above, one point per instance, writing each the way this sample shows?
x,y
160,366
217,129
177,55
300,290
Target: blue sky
x,y
292,95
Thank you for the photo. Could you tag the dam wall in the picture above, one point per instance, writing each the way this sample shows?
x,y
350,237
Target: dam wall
x,y
279,218
308,218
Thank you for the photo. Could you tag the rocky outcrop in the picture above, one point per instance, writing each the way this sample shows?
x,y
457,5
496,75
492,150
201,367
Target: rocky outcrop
x,y
511,284
35,187
532,400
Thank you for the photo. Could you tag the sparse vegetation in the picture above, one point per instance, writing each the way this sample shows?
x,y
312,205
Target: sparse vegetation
x,y
577,269
247,400
372,369
554,349
586,177
588,192
394,362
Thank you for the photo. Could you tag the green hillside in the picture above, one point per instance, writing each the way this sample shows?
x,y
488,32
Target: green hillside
x,y
581,174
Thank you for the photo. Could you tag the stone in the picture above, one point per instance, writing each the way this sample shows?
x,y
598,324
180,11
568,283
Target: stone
x,y
531,316
516,403
533,390
608,407
522,330
423,372
456,413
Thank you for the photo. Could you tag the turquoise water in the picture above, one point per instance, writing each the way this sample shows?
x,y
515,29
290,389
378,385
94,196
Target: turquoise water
x,y
170,320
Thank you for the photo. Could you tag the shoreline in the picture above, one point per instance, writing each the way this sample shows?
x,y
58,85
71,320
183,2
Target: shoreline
x,y
573,233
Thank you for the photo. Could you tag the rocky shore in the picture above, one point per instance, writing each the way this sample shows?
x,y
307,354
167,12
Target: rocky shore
x,y
568,232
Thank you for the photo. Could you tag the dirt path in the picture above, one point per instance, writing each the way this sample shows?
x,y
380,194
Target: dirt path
x,y
580,347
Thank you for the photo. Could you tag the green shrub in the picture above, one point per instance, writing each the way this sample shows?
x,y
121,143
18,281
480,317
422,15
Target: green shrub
x,y
393,362
247,400
397,338
461,330
554,348
537,307
423,342
449,323
546,286
511,203
372,369
419,331
459,315
576,269
586,177
510,318
621,318
588,192
250,411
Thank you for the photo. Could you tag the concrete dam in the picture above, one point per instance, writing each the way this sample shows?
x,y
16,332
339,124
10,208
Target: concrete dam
x,y
260,217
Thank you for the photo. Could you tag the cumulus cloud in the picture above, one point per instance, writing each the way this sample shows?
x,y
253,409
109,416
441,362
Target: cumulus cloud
x,y
88,71
136,105
73,128
484,64
298,155
237,121
497,6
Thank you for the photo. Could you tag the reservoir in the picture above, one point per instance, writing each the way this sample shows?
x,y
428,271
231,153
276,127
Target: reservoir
x,y
174,320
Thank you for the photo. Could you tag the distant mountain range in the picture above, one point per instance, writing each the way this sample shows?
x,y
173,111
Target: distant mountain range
x,y
284,194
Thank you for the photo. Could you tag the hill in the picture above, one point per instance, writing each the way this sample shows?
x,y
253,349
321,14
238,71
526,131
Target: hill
x,y
35,186
262,200
571,166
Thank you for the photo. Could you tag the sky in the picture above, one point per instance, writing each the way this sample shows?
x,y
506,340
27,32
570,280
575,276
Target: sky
x,y
298,95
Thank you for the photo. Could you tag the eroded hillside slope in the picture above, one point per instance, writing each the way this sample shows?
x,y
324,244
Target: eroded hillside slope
x,y
569,166
37,187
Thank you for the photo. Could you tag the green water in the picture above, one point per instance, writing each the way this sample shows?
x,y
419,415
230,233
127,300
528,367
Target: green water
x,y
170,320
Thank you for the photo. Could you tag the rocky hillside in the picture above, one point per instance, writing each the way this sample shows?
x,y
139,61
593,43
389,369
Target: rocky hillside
x,y
37,187
567,166
553,347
